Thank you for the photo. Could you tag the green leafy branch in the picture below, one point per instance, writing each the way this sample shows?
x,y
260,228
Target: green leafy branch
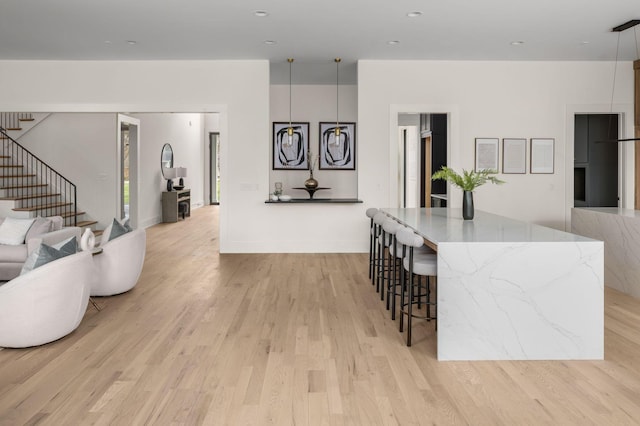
x,y
469,180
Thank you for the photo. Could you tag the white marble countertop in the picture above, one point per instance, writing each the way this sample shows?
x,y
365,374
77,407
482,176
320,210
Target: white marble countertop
x,y
445,225
613,210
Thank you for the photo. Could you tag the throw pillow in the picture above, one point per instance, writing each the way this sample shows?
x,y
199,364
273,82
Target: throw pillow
x,y
45,254
13,231
68,246
40,226
117,229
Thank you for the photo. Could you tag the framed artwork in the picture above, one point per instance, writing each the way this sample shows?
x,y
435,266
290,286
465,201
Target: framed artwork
x,y
290,154
514,155
337,153
487,153
542,153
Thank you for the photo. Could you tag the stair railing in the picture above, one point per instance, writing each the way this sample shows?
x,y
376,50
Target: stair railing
x,y
35,184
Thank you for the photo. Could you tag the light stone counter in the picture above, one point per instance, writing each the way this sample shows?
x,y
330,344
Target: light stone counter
x,y
620,231
510,290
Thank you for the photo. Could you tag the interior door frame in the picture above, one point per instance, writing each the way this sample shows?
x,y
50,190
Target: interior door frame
x,y
134,168
212,169
626,153
453,149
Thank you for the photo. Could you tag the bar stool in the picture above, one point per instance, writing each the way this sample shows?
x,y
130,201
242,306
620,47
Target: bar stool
x,y
380,239
371,212
416,264
398,252
383,242
389,229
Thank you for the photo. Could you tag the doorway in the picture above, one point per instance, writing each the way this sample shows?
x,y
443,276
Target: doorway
x,y
595,171
128,168
422,151
214,168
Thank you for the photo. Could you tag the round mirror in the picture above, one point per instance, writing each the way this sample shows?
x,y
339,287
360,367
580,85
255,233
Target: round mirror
x,y
166,159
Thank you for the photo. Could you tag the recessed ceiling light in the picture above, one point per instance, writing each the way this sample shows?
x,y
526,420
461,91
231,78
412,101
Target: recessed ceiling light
x,y
270,42
261,13
517,43
107,42
132,42
414,14
393,42
584,42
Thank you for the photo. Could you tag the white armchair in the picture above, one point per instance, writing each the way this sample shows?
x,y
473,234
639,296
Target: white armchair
x,y
46,303
118,266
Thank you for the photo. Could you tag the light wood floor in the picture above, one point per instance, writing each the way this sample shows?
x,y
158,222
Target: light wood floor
x,y
291,339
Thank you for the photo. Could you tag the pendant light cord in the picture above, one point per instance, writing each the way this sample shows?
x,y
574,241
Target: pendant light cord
x,y
290,62
337,91
615,71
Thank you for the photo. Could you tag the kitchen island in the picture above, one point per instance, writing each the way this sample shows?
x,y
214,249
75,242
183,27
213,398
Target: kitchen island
x,y
620,230
511,290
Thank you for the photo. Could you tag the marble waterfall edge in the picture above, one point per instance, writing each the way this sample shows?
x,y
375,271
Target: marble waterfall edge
x,y
527,301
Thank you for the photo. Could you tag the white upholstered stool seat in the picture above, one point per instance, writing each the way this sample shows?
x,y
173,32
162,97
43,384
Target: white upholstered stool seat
x,y
423,264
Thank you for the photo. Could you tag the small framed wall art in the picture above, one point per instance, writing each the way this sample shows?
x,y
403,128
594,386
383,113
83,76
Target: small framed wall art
x,y
290,152
542,153
337,151
487,153
514,156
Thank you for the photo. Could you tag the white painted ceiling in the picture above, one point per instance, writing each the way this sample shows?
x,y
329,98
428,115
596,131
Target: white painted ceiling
x,y
315,32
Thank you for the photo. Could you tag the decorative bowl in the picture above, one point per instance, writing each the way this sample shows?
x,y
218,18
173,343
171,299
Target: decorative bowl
x,y
285,198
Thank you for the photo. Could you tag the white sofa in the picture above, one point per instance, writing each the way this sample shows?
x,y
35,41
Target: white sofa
x,y
12,257
46,303
118,266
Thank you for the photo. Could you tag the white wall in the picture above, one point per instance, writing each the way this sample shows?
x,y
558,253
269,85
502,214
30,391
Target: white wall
x,y
489,99
81,147
484,99
315,104
238,90
185,133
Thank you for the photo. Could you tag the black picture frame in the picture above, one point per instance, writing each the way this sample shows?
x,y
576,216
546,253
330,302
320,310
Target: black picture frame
x,y
542,156
514,156
341,156
486,154
294,156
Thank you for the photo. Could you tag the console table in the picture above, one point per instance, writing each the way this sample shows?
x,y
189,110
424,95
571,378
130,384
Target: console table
x,y
171,201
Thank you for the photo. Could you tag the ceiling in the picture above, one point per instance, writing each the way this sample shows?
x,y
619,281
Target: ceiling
x,y
315,32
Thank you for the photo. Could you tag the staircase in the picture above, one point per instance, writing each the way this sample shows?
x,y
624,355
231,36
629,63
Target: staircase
x,y
28,186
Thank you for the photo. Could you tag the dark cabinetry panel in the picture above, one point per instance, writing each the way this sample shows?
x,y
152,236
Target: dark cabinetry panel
x,y
438,150
595,163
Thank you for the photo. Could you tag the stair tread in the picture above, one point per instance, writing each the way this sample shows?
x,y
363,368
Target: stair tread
x,y
98,232
16,176
41,207
69,214
86,223
14,128
30,197
26,119
37,185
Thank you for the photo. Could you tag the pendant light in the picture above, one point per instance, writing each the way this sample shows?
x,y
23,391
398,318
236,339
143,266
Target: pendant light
x,y
619,29
289,139
336,136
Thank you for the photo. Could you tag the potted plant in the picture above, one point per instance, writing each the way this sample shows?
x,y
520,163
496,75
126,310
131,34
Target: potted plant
x,y
468,182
